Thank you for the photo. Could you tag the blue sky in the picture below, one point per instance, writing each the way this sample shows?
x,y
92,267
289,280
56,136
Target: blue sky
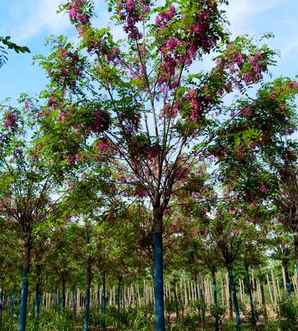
x,y
31,21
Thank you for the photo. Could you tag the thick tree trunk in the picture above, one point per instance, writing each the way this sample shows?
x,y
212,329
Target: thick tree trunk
x,y
24,286
158,272
215,300
234,296
87,296
251,298
285,264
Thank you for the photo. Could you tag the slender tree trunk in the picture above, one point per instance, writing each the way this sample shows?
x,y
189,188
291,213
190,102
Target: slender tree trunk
x,y
215,299
119,294
158,272
1,305
296,257
11,306
37,294
87,296
251,298
234,296
203,301
63,295
230,300
285,264
24,285
104,300
176,302
74,302
263,298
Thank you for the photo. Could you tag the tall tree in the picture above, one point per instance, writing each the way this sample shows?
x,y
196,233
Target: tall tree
x,y
138,99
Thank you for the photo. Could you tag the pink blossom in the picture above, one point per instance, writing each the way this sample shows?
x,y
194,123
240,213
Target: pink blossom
x,y
263,189
130,5
239,59
164,17
247,112
62,117
10,120
72,13
172,43
293,85
103,146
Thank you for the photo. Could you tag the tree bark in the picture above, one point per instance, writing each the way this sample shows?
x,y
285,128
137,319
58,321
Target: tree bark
x,y
158,272
263,300
104,300
87,296
251,298
215,299
37,294
287,277
24,285
234,296
296,256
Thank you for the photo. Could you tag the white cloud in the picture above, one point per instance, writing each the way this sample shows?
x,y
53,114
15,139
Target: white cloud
x,y
241,13
43,18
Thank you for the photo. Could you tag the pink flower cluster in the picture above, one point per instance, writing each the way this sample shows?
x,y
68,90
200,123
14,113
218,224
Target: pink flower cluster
x,y
177,52
165,17
198,104
76,12
256,69
67,69
100,121
103,145
10,120
192,97
293,85
263,189
132,12
171,111
246,111
72,159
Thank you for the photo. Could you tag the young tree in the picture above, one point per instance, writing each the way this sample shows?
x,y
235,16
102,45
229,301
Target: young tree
x,y
26,184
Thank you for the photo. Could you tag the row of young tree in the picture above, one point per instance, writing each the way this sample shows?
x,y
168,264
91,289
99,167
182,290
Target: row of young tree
x,y
132,157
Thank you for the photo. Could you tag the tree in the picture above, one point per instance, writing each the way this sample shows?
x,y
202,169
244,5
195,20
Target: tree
x,y
25,185
140,102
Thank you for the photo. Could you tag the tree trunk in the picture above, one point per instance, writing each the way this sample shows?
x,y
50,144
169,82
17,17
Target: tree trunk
x,y
215,299
1,305
251,298
263,300
296,256
158,272
285,264
230,300
24,286
87,296
74,302
119,295
37,294
63,295
104,300
234,296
